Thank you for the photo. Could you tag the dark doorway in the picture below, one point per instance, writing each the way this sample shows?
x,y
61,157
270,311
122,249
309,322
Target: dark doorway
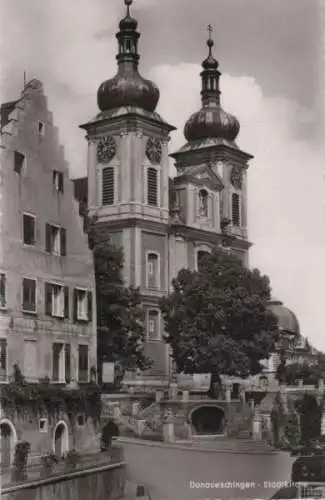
x,y
235,391
60,440
6,442
208,420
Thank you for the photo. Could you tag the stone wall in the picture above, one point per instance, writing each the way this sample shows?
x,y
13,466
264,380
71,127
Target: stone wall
x,y
101,483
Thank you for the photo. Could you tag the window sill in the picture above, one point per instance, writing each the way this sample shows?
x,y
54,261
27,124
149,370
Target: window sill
x,y
83,319
57,316
32,313
29,245
4,308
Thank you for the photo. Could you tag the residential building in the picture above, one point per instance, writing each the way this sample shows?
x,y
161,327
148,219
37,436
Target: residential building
x,y
47,299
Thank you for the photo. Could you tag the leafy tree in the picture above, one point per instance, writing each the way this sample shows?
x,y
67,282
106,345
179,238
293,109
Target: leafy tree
x,y
300,371
217,320
120,329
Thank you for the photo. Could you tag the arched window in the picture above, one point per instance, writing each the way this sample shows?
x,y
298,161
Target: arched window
x,y
200,256
153,332
203,201
235,204
108,186
152,271
152,186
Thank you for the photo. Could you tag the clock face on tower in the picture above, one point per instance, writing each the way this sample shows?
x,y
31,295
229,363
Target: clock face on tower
x,y
154,150
106,149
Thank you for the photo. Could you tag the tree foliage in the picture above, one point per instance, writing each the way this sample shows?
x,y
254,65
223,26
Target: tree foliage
x,y
217,320
310,374
120,326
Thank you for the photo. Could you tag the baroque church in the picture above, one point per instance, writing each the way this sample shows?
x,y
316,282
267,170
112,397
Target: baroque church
x,y
163,224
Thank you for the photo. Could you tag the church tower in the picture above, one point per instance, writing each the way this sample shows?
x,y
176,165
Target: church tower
x,y
128,176
209,192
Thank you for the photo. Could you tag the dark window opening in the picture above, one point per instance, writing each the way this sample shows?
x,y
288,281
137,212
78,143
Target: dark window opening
x,y
19,162
29,295
57,181
29,229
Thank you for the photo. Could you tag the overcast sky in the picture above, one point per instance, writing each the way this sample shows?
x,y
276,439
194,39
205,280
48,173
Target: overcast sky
x,y
269,53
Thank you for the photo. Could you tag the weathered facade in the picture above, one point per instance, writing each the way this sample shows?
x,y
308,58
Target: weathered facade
x,y
47,313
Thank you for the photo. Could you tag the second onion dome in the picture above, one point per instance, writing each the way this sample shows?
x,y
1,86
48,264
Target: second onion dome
x,y
211,121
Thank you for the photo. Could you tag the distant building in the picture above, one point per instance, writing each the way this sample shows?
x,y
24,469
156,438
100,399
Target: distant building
x,y
295,347
47,313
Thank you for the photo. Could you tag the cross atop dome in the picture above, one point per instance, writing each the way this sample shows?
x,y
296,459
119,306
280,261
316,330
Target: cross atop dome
x,y
210,42
128,3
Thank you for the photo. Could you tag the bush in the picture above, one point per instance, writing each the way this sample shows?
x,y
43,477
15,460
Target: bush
x,y
20,463
48,462
72,459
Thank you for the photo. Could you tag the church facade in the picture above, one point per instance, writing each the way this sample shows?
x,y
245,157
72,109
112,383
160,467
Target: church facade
x,y
163,224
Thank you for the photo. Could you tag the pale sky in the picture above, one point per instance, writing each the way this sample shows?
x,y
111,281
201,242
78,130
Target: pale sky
x,y
270,57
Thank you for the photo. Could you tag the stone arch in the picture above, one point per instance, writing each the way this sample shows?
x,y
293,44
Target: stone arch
x,y
207,419
9,440
61,438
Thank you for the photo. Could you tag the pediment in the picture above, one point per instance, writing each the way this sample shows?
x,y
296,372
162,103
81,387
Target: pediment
x,y
206,176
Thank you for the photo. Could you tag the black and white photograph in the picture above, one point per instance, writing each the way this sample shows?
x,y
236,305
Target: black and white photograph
x,y
162,249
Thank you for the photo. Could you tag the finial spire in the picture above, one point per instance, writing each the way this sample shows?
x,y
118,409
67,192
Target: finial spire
x,y
128,3
210,42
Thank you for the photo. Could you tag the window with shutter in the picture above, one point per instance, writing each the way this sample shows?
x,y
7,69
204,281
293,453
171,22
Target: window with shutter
x,y
29,295
29,229
90,306
108,186
235,201
63,242
81,304
67,363
3,360
55,239
57,301
152,186
3,292
66,302
152,271
48,299
83,363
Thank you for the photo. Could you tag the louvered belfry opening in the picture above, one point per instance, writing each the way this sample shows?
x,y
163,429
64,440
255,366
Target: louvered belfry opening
x,y
152,187
108,186
235,209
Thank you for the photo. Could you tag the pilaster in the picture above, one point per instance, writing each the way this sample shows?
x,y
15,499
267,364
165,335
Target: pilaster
x,y
93,194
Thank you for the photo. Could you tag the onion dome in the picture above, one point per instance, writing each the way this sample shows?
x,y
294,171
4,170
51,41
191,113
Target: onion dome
x,y
128,88
211,121
287,320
